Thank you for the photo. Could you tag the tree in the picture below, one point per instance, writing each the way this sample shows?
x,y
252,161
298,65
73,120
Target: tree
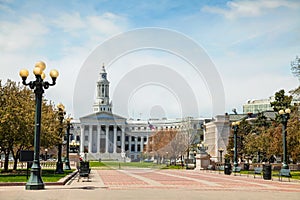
x,y
243,131
160,141
293,135
169,142
50,132
17,121
282,101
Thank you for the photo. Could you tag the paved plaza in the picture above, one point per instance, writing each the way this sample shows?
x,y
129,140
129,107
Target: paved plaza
x,y
160,184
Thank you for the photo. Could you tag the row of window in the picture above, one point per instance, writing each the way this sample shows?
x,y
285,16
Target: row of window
x,y
133,138
157,128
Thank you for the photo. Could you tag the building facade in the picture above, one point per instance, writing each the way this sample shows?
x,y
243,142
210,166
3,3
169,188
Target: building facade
x,y
216,136
105,135
256,106
261,105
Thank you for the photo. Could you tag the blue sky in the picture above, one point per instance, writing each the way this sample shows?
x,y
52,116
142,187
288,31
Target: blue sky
x,y
251,44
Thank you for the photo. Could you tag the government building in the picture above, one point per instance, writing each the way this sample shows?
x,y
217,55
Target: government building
x,y
105,135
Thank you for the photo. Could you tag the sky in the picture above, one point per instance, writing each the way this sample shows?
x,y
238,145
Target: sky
x,y
167,58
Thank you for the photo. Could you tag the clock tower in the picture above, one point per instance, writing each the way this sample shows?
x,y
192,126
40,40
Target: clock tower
x,y
102,103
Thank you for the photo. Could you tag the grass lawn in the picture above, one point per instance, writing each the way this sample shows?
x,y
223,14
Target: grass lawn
x,y
48,175
120,165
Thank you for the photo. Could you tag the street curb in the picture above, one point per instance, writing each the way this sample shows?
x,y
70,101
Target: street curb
x,y
62,181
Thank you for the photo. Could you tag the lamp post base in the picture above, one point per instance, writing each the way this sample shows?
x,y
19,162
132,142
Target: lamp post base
x,y
59,168
35,181
34,186
67,164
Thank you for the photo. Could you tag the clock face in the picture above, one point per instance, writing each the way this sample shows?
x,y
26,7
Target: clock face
x,y
103,76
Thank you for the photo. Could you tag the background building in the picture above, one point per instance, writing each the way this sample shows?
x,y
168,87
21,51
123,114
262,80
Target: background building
x,y
256,106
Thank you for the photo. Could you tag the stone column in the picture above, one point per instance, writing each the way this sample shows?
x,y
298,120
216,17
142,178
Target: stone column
x,y
142,144
135,143
147,144
90,138
129,143
106,138
82,138
98,138
115,139
123,140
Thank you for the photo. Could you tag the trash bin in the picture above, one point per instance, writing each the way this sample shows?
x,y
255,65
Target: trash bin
x,y
267,172
227,168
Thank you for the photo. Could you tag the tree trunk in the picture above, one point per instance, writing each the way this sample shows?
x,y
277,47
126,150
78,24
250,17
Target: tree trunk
x,y
16,159
6,156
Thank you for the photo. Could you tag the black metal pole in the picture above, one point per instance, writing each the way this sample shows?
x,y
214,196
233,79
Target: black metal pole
x,y
285,118
221,156
35,181
59,163
235,160
67,161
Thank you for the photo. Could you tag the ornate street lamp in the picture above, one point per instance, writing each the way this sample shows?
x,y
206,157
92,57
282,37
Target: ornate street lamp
x,y
221,151
285,116
35,181
59,163
67,161
235,126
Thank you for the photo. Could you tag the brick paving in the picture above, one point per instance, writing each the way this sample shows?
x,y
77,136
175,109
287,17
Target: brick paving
x,y
118,179
160,184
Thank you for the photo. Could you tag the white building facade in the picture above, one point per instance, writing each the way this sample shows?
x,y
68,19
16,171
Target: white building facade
x,y
104,135
216,136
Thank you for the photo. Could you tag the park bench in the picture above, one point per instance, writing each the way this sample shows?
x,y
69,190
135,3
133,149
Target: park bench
x,y
210,167
284,173
84,170
257,171
221,168
237,170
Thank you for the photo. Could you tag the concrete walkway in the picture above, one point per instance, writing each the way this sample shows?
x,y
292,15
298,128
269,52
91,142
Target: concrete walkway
x,y
160,184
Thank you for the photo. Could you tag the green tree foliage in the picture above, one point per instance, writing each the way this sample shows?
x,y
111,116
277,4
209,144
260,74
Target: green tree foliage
x,y
293,135
17,121
17,118
243,131
282,101
265,135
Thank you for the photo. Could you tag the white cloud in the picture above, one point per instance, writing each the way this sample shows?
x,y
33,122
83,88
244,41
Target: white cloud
x,y
70,22
63,43
255,8
26,33
107,24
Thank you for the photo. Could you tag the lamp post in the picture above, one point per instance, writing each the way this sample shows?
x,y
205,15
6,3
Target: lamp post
x,y
67,161
235,126
59,163
195,154
46,152
285,116
77,147
221,151
35,181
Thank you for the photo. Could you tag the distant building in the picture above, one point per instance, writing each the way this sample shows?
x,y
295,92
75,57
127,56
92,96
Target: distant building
x,y
261,105
216,135
217,132
256,106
